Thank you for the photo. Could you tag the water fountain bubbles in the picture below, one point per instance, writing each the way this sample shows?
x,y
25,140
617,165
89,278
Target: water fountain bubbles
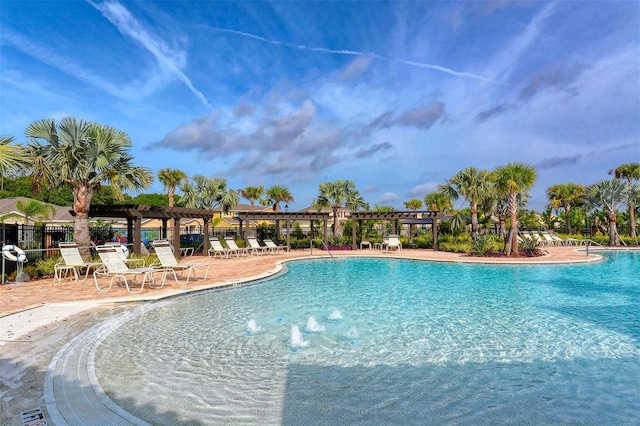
x,y
296,341
336,315
313,326
253,327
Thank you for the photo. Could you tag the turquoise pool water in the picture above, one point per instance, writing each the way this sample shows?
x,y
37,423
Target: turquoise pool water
x,y
377,341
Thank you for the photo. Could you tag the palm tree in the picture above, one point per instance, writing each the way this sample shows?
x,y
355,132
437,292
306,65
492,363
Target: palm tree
x,y
567,195
414,204
12,157
208,193
337,194
276,195
252,193
438,201
172,179
631,172
33,208
84,155
512,180
472,184
610,195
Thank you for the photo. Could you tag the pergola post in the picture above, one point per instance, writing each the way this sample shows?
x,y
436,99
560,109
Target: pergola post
x,y
354,246
288,234
163,231
205,232
434,230
130,235
137,239
176,237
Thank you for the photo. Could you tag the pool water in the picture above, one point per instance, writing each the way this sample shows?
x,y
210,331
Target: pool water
x,y
379,341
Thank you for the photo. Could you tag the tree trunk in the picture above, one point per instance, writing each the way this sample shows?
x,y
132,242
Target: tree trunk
x,y
632,222
337,231
513,210
613,229
503,225
172,192
474,220
567,213
82,196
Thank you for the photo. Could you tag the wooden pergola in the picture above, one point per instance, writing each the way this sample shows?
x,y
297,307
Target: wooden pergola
x,y
289,218
134,213
411,216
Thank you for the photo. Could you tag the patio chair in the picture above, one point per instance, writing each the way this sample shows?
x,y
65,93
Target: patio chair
x,y
546,240
123,253
393,242
217,249
73,262
116,268
254,246
275,248
233,247
552,239
167,260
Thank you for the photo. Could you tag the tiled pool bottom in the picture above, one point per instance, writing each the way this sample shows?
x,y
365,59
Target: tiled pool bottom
x,y
506,345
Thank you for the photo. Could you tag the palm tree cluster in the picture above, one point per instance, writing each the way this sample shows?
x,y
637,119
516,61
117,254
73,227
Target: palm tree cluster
x,y
501,191
85,155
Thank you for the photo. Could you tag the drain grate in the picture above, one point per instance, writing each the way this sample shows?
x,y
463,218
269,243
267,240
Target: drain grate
x,y
33,417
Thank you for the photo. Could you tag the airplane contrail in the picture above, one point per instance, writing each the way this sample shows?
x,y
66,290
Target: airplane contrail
x,y
353,53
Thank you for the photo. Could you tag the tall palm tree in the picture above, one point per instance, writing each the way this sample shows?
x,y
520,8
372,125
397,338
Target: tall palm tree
x,y
337,194
12,157
610,195
512,180
252,193
631,172
208,193
472,184
276,195
568,195
84,155
32,208
172,179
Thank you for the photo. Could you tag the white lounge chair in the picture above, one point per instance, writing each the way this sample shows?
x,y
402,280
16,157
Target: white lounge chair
x,y
393,242
123,254
167,260
73,262
275,248
254,246
233,247
217,249
116,268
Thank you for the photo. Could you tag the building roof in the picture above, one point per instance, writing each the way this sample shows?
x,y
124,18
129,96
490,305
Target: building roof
x,y
8,206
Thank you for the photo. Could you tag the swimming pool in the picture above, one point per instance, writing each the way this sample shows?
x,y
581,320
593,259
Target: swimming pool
x,y
379,341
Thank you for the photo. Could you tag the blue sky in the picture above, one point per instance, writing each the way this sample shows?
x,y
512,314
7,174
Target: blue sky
x,y
396,96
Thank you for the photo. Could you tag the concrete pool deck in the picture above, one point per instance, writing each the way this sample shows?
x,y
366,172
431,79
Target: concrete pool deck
x,y
38,318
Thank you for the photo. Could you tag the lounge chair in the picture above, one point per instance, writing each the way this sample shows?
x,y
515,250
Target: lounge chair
x,y
123,254
73,262
217,249
532,236
116,268
167,260
275,248
233,247
552,239
254,246
393,242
